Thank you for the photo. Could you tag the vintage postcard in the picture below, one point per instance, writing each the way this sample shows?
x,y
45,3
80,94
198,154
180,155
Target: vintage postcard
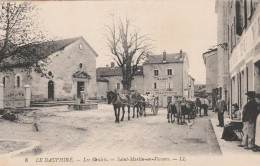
x,y
130,82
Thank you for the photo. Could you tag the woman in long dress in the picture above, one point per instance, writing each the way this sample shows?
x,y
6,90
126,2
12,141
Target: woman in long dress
x,y
228,132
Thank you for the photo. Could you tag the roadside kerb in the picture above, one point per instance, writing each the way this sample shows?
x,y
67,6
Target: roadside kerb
x,y
34,146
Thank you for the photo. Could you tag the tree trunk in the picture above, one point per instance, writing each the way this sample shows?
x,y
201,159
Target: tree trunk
x,y
126,84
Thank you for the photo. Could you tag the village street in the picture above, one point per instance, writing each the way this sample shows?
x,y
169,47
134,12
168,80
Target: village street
x,y
95,132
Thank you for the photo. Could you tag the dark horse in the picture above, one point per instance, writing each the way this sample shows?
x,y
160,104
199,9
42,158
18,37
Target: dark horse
x,y
183,108
122,101
171,111
138,102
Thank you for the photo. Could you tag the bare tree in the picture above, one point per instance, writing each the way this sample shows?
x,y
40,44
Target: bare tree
x,y
19,29
128,47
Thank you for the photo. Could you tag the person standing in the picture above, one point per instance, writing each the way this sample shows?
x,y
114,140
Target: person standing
x,y
206,106
198,106
220,108
249,116
202,100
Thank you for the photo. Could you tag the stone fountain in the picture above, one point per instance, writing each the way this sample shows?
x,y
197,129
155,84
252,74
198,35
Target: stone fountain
x,y
82,104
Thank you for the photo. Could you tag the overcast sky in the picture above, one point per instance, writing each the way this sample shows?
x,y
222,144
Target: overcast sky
x,y
190,25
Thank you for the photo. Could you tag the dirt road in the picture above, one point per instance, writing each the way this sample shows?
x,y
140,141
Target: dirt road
x,y
95,131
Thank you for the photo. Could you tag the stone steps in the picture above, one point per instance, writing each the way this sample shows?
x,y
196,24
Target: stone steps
x,y
52,103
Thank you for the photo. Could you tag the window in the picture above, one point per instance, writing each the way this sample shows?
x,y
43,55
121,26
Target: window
x,y
80,46
154,85
18,81
118,86
156,72
80,65
4,81
169,85
169,72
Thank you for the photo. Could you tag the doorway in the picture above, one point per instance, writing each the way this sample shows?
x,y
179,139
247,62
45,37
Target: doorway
x,y
80,87
50,90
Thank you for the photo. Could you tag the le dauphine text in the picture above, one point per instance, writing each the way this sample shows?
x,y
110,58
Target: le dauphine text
x,y
105,159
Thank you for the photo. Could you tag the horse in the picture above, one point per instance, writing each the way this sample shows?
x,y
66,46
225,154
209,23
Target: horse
x,y
138,102
125,100
183,109
112,97
192,109
171,111
186,109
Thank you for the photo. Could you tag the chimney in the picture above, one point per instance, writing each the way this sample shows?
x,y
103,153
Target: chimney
x,y
164,56
112,64
181,53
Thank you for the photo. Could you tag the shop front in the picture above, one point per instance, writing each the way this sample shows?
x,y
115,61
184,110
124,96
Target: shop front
x,y
245,64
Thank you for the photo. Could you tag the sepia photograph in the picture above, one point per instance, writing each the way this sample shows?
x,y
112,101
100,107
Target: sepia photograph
x,y
129,82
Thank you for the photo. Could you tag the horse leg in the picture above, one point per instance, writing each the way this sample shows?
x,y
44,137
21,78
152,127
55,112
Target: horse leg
x,y
168,116
144,110
133,112
115,111
140,110
118,115
123,109
128,112
137,111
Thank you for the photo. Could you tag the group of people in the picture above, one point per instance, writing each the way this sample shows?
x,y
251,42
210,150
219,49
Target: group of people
x,y
202,103
248,125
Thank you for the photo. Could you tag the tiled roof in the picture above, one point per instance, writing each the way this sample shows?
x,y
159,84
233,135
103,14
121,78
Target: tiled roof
x,y
115,71
170,58
32,52
101,79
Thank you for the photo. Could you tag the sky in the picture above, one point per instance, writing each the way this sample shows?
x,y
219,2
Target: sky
x,y
190,25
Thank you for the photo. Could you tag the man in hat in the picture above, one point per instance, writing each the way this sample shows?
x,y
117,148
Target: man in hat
x,y
221,107
249,116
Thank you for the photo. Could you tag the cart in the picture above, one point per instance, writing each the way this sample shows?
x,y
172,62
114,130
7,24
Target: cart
x,y
151,102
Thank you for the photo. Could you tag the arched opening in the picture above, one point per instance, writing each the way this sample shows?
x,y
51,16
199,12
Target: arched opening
x,y
80,65
51,90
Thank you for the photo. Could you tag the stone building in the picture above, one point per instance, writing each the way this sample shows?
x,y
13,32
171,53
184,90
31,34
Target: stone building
x,y
223,84
113,75
164,75
241,23
191,90
70,67
210,60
